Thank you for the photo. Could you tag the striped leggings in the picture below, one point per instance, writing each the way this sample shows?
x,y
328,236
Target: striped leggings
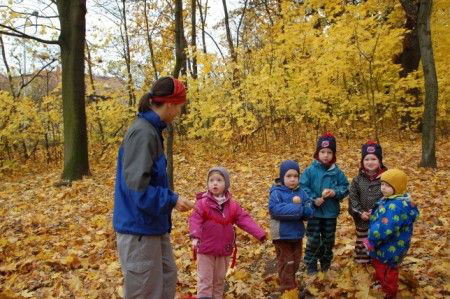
x,y
361,254
319,247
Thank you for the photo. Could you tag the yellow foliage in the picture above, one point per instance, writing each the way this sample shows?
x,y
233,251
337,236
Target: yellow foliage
x,y
107,120
291,294
26,124
332,69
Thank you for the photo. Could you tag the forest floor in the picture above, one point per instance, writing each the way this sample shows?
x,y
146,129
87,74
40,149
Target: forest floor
x,y
58,242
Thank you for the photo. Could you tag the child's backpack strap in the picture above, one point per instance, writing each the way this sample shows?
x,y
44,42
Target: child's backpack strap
x,y
233,218
234,255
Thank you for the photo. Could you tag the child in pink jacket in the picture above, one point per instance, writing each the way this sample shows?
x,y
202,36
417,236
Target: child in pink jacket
x,y
212,232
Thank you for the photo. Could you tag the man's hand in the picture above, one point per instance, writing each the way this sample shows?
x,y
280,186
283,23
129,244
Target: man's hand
x,y
319,201
328,193
184,205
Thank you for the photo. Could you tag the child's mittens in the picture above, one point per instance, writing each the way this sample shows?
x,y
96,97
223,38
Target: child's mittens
x,y
367,244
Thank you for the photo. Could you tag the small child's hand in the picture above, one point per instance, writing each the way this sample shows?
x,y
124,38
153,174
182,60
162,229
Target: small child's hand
x,y
194,243
365,216
319,201
328,193
368,245
296,199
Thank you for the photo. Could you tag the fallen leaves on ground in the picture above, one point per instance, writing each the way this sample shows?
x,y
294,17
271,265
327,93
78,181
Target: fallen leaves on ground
x,y
58,242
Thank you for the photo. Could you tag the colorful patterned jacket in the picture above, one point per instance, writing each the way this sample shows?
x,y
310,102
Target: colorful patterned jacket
x,y
391,228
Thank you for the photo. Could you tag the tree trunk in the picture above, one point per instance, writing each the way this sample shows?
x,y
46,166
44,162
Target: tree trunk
x,y
91,76
203,21
409,58
194,37
228,31
8,70
127,55
431,85
180,45
150,43
72,40
240,23
180,66
236,81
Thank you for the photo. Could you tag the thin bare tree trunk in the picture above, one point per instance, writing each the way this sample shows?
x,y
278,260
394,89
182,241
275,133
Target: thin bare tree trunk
x,y
8,70
180,66
233,53
150,43
194,37
127,55
89,61
240,23
203,14
228,31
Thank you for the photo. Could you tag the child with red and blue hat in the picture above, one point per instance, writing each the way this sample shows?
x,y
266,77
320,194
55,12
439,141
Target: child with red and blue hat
x,y
364,192
327,185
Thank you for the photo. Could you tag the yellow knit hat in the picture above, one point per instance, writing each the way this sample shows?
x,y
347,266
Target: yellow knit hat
x,y
396,178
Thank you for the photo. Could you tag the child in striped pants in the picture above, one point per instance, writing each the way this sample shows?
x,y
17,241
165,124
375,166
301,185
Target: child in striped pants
x,y
364,192
327,185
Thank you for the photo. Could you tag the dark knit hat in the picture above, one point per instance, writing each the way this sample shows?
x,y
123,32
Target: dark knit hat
x,y
286,166
371,147
327,140
224,172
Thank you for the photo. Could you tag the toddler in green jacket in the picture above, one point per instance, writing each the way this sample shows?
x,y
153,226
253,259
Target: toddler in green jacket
x,y
327,185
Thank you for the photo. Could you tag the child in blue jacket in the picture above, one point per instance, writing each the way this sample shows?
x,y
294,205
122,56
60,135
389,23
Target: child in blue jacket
x,y
390,230
327,185
288,207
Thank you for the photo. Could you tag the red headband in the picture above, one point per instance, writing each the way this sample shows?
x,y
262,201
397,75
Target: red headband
x,y
178,96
